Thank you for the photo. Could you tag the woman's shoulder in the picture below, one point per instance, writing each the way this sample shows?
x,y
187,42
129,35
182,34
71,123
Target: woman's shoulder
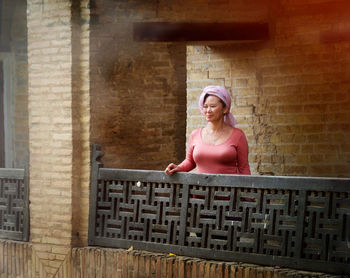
x,y
195,134
238,130
238,133
196,131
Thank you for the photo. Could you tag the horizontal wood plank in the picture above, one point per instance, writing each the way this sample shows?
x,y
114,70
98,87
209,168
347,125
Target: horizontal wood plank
x,y
175,32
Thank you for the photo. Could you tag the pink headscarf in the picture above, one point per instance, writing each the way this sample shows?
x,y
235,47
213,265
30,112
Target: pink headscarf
x,y
224,95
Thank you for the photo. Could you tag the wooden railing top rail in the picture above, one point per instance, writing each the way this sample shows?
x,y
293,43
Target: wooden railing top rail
x,y
244,181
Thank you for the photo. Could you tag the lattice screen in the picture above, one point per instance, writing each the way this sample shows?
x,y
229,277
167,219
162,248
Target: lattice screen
x,y
13,204
295,222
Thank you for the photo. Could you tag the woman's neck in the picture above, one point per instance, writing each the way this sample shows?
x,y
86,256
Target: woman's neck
x,y
216,126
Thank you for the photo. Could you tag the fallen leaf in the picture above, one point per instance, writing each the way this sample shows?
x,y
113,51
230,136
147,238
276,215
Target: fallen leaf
x,y
131,248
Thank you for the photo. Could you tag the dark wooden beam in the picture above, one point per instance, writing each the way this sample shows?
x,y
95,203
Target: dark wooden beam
x,y
176,32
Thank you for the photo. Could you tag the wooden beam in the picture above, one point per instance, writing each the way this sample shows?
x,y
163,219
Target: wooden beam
x,y
176,32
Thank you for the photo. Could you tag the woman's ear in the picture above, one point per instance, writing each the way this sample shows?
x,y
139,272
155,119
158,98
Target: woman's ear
x,y
226,110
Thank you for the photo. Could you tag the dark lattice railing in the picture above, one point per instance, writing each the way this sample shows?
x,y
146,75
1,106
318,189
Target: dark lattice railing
x,y
14,217
295,222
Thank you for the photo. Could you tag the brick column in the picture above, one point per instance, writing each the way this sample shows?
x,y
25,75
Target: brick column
x,y
58,128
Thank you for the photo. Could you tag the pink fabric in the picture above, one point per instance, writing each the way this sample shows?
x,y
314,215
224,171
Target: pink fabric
x,y
230,157
224,95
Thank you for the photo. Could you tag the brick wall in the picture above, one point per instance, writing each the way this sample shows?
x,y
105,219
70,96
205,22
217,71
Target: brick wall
x,y
58,61
96,262
50,120
21,260
291,94
138,94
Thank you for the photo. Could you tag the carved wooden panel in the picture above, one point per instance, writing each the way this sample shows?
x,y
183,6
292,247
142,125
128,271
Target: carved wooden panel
x,y
14,216
294,222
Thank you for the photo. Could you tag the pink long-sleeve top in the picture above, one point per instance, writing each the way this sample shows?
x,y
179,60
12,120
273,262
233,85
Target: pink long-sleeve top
x,y
230,157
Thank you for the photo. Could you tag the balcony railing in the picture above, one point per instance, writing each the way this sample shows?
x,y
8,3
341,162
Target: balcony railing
x,y
294,222
14,211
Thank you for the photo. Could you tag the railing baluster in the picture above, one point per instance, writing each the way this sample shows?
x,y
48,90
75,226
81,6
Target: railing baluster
x,y
183,214
96,164
300,223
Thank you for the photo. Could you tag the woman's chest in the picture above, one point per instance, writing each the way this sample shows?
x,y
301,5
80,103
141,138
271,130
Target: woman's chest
x,y
222,154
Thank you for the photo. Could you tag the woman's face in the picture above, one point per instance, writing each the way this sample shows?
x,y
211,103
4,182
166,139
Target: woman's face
x,y
213,109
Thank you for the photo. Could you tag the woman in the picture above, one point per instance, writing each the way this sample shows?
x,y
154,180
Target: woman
x,y
220,147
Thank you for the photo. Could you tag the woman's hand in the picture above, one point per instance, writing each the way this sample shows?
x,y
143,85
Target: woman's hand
x,y
171,169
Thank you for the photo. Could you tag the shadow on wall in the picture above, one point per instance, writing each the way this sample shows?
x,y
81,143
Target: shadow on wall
x,y
138,100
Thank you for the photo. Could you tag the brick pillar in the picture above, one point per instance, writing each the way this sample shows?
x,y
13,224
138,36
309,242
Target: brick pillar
x,y
58,129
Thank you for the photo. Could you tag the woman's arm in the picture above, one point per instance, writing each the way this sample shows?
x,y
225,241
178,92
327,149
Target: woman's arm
x,y
185,166
242,156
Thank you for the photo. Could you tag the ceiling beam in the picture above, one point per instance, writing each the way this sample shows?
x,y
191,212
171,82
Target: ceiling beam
x,y
187,32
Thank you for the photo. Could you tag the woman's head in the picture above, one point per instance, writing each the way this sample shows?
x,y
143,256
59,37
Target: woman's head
x,y
214,109
224,97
